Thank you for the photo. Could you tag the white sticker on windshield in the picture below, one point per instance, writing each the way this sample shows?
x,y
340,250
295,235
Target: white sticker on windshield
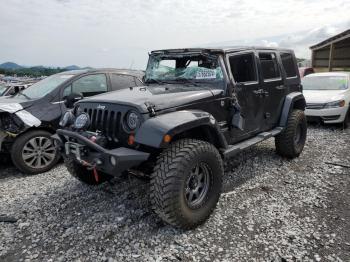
x,y
206,74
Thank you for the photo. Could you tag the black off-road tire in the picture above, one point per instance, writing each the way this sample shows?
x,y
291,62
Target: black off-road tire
x,y
170,180
83,174
290,142
17,152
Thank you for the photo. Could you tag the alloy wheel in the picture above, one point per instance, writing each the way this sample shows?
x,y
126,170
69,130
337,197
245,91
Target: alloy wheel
x,y
38,152
197,185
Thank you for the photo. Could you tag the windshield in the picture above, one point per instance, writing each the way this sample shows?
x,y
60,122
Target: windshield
x,y
195,69
43,87
2,89
325,83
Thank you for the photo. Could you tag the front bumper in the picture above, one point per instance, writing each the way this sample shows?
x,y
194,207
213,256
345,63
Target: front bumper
x,y
327,115
89,153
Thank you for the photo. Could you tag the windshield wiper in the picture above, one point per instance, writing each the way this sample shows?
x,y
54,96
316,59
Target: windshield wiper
x,y
189,81
152,80
157,81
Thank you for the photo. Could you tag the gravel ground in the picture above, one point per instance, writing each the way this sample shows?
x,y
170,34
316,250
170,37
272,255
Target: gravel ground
x,y
272,209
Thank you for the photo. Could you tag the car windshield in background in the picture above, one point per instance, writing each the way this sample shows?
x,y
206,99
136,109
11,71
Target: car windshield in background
x,y
2,89
182,68
44,87
325,83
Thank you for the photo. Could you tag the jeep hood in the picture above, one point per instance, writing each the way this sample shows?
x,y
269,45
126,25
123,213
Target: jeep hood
x,y
161,96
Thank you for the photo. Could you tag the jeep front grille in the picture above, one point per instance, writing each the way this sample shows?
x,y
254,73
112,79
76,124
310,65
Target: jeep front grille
x,y
106,121
106,118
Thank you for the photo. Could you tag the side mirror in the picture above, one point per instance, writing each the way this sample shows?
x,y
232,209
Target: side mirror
x,y
70,100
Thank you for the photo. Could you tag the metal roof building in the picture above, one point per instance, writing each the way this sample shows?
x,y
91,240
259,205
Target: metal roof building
x,y
332,54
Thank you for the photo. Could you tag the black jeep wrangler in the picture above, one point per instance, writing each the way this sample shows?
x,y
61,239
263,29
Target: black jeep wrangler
x,y
198,107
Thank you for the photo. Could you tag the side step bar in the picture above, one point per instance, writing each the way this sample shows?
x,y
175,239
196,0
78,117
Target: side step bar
x,y
235,149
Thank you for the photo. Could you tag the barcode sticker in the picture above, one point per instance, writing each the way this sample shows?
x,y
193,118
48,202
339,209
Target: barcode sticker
x,y
206,74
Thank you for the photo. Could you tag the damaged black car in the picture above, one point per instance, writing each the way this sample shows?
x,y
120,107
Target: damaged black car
x,y
30,117
198,108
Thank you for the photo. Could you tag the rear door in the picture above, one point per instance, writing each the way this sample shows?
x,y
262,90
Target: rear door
x,y
273,89
243,67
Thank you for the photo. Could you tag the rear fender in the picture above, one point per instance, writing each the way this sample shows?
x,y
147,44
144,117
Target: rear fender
x,y
295,100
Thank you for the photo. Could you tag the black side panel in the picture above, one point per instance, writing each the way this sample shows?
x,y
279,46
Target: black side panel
x,y
273,87
243,68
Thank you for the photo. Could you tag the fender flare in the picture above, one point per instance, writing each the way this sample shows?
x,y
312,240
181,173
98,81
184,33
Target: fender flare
x,y
292,100
153,130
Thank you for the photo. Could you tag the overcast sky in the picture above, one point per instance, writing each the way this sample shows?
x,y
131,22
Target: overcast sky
x,y
115,33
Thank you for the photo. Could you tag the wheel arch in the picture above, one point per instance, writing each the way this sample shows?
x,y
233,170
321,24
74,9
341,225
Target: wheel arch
x,y
180,124
295,100
39,128
205,133
42,128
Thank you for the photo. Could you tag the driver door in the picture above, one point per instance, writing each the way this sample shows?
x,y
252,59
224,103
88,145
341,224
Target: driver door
x,y
244,71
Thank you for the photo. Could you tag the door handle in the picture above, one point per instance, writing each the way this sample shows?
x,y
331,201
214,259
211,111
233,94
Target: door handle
x,y
258,92
281,87
261,92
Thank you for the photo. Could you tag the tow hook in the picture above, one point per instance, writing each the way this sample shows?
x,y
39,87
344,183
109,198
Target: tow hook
x,y
95,174
92,166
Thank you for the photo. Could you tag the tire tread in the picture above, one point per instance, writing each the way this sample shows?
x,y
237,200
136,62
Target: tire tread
x,y
285,141
167,172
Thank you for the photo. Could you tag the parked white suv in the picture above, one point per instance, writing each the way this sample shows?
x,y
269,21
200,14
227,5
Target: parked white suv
x,y
327,97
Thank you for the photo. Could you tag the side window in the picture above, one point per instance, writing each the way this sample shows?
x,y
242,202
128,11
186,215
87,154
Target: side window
x,y
122,81
269,66
90,85
243,68
288,64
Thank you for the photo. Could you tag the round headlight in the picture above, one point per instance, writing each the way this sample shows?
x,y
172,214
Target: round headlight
x,y
82,121
67,119
132,120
